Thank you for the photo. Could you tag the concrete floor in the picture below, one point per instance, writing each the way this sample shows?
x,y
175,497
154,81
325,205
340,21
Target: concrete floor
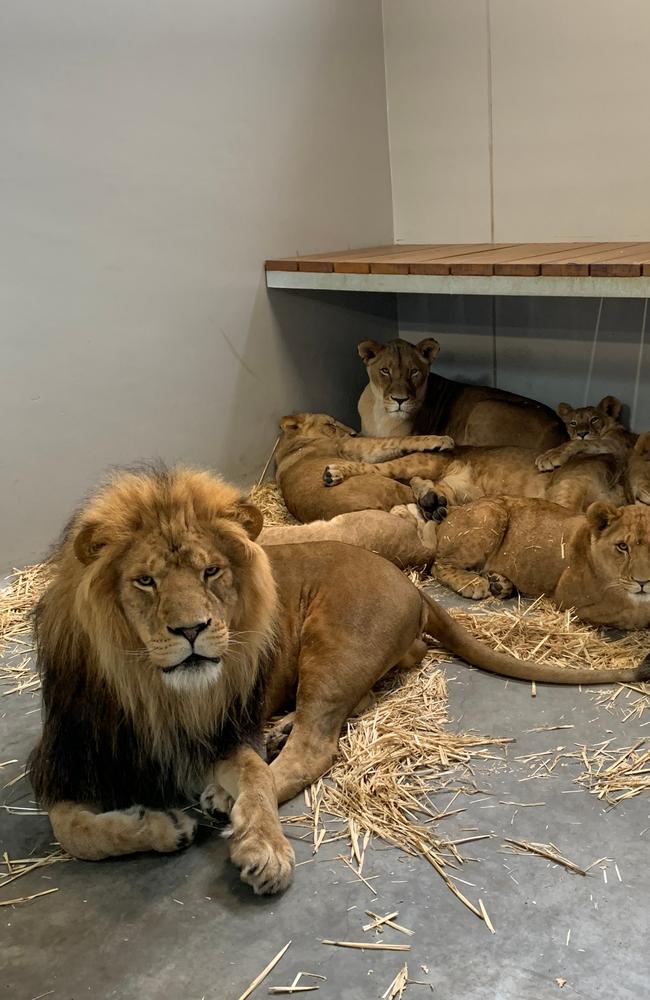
x,y
183,927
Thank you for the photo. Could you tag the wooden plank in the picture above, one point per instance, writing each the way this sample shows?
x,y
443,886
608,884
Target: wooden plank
x,y
626,265
484,263
291,263
578,264
354,261
425,261
530,267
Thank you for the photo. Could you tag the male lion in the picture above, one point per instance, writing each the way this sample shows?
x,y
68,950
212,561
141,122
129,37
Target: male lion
x,y
309,440
597,563
404,397
168,634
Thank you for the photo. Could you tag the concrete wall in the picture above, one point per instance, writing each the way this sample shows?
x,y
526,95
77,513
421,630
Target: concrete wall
x,y
152,156
518,120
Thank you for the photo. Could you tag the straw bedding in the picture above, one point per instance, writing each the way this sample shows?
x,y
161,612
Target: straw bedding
x,y
400,752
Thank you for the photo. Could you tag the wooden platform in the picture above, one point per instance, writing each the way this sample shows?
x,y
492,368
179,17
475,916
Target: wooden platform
x,y
617,269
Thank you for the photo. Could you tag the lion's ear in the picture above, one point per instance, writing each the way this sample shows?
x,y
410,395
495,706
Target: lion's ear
x,y
368,350
642,446
87,543
291,423
563,409
611,406
428,348
600,515
250,517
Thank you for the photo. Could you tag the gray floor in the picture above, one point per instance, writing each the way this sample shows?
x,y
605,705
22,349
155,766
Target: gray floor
x,y
183,926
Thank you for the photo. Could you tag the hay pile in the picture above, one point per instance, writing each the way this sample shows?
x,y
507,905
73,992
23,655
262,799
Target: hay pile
x,y
17,601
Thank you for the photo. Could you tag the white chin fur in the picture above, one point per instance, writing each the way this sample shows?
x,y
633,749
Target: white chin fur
x,y
193,679
640,596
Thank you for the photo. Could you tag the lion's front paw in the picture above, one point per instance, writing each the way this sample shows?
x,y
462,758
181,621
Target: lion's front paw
x,y
215,801
500,586
433,506
549,460
263,855
171,830
475,590
332,475
436,442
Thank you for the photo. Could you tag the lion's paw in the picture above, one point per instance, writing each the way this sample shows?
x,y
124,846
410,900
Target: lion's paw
x,y
277,738
215,801
476,590
548,460
433,506
171,830
500,586
265,859
332,475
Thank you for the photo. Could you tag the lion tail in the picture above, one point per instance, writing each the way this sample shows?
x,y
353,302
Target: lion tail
x,y
454,637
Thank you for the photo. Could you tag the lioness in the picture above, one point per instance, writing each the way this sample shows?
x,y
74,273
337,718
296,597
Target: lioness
x,y
167,635
396,538
592,430
466,474
404,397
597,563
309,440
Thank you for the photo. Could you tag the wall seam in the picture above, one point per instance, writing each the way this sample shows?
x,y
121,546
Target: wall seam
x,y
388,142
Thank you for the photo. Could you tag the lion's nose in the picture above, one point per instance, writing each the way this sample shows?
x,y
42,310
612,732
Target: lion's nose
x,y
396,399
582,434
190,631
643,583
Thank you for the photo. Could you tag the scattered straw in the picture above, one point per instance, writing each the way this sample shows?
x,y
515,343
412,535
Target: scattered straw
x,y
269,500
17,867
26,899
17,601
368,946
264,973
548,851
615,774
398,985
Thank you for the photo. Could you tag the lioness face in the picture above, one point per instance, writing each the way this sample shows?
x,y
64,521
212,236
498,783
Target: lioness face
x,y
638,470
620,548
589,422
398,373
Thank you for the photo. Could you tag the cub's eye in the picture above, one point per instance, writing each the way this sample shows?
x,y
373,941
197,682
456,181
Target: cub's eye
x,y
622,547
573,423
212,571
145,581
384,371
595,420
415,373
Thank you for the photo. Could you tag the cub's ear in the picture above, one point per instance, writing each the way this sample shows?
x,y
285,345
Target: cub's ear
x,y
291,423
611,406
428,348
642,446
563,409
250,517
368,350
87,544
600,515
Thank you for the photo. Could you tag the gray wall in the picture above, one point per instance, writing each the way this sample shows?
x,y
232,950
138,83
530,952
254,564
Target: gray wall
x,y
152,156
539,347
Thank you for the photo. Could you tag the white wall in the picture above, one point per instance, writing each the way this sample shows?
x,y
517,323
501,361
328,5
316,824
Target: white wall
x,y
152,156
523,120
560,91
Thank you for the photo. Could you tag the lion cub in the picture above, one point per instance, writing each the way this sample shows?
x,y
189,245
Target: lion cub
x,y
597,563
592,430
310,440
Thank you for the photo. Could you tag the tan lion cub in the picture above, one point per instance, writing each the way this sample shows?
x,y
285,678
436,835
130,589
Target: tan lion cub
x,y
592,430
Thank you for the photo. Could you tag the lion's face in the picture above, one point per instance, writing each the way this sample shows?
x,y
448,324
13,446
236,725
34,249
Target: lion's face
x,y
589,422
314,425
620,548
638,470
171,564
398,373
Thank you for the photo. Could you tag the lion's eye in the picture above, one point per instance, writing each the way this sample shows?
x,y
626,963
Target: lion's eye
x,y
384,371
594,420
415,373
573,423
145,581
212,571
622,547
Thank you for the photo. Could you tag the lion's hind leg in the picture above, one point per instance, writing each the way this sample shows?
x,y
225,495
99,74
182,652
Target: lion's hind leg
x,y
91,835
473,585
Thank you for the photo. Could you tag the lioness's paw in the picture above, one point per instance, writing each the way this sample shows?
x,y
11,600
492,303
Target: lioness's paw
x,y
215,801
446,443
332,475
277,738
171,830
476,590
548,460
265,860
